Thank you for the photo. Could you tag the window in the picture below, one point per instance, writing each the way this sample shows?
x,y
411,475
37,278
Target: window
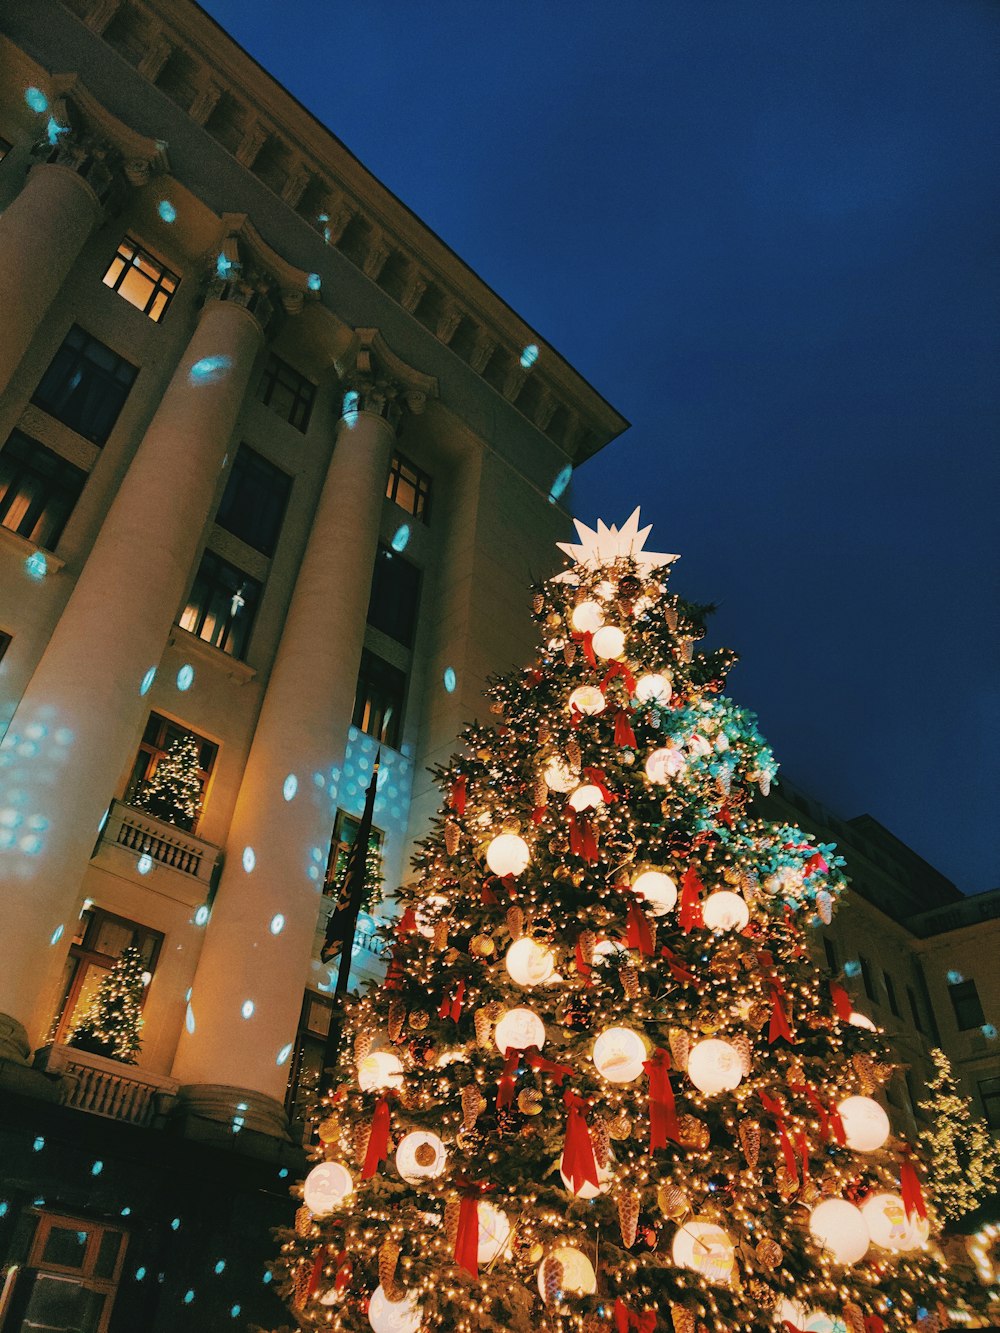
x,y
71,1277
253,503
868,979
345,833
918,1021
38,490
159,735
306,1068
378,704
409,487
142,280
5,641
395,594
890,993
286,392
989,1095
830,949
5,148
86,386
221,605
100,941
966,1004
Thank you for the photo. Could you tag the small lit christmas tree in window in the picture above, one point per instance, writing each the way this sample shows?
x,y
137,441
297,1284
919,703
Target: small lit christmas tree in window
x,y
173,793
963,1161
112,1026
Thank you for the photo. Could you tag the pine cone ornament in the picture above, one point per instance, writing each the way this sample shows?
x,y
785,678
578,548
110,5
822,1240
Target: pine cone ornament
x,y
452,1209
750,1141
749,885
762,1295
769,1253
552,1280
795,1073
515,922
303,1221
600,1137
388,1256
569,652
544,733
759,1014
538,603
440,935
630,981
628,1217
541,792
574,755
682,1319
670,616
786,1181
473,1105
300,1285
741,1044
587,941
452,836
680,1047
824,906
764,784
864,1067
397,1017
854,1318
362,1045
686,650
360,1137
419,1019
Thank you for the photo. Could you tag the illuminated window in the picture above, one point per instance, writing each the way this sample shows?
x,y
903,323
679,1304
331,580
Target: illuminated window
x,y
409,487
100,941
989,1095
378,704
253,503
286,392
345,833
221,606
395,595
967,1005
38,490
890,992
159,735
71,1276
306,1067
142,280
86,386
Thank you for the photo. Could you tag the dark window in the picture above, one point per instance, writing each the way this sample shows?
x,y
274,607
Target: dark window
x,y
100,941
5,148
159,735
286,392
38,490
306,1067
253,503
221,605
71,1276
142,280
890,991
868,979
918,1021
86,386
395,595
989,1095
345,834
5,641
830,949
378,705
409,487
966,1004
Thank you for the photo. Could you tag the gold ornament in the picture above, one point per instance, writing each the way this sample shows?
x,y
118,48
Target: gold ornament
x,y
758,1014
680,1047
473,1105
387,1257
786,1181
673,1201
682,1318
397,1016
692,1132
630,981
452,836
553,620
328,1130
628,1217
620,1126
482,946
750,1141
769,1253
419,1019
425,1154
529,1101
600,1136
303,1221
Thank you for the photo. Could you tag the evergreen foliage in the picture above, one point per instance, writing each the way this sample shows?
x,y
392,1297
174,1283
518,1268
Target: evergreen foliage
x,y
961,1153
112,1026
173,793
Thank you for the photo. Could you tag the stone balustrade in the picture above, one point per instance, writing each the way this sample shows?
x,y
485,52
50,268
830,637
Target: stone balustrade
x,y
108,1088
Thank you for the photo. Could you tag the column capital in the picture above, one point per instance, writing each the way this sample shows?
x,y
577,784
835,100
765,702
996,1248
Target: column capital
x,y
384,383
85,137
246,270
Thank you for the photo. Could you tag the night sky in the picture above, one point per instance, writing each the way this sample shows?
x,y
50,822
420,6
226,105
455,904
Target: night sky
x,y
768,233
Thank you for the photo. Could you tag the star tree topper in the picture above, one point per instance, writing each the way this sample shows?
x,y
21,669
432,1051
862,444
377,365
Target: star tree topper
x,y
606,545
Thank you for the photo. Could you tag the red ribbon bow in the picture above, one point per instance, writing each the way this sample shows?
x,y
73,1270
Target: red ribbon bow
x,y
378,1140
316,1273
831,1124
841,1001
578,1163
638,935
873,1324
677,969
779,1019
407,923
451,1006
582,841
815,862
626,1319
624,735
487,894
582,966
538,1061
909,1188
619,669
774,1108
690,914
467,1237
459,792
596,776
662,1109
587,639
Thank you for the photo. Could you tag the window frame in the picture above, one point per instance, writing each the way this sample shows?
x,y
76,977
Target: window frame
x,y
132,256
989,1100
420,482
6,639
5,147
390,727
84,957
830,951
890,994
156,749
220,639
70,364
243,474
85,1275
385,557
868,979
918,1019
340,847
62,487
302,389
297,1099
964,995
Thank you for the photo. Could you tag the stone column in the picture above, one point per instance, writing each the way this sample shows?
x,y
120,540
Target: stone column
x,y
83,708
244,1008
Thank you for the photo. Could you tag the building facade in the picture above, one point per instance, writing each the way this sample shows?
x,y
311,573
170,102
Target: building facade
x,y
276,472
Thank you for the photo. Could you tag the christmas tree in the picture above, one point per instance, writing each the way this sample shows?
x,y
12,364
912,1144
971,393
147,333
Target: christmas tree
x,y
173,792
604,1086
112,1026
961,1155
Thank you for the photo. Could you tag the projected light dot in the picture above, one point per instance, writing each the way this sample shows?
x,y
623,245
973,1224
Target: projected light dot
x,y
247,1008
57,935
201,915
852,967
529,356
188,1296
955,978
315,282
185,677
36,566
290,786
277,924
147,681
989,1031
220,1267
400,538
175,1225
189,1019
126,1211
283,1054
283,1173
97,1168
166,210
562,480
144,864
36,99
53,130
249,859
450,679
38,1144
350,409
234,1313
210,369
268,1277
223,266
30,844
140,1273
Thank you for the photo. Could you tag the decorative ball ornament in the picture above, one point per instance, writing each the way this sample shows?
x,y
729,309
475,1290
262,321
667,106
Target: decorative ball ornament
x,y
704,1247
587,699
494,1232
725,910
518,1029
386,1316
714,1066
587,797
807,1321
427,913
559,776
619,1054
326,1186
840,1229
578,1276
380,1070
585,1188
420,1156
587,617
662,765
530,963
654,688
507,854
609,642
859,1020
657,889
888,1225
866,1125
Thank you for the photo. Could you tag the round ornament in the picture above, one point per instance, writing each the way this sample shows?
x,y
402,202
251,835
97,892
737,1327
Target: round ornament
x,y
619,1054
587,797
587,699
530,963
380,1070
703,1246
662,765
859,1020
494,1232
578,1276
420,1156
656,687
609,642
326,1186
328,1131
387,1316
587,617
839,1229
507,854
889,1226
808,1321
657,889
714,1066
587,1190
559,776
673,1201
725,911
518,1029
866,1125
427,913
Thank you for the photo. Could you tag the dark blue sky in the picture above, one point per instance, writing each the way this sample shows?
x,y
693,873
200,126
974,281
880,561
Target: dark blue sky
x,y
769,233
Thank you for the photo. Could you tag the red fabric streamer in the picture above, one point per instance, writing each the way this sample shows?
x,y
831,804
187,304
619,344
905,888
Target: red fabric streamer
x,y
317,1271
586,638
624,735
690,914
459,794
831,1125
815,862
638,934
378,1140
538,814
467,1239
873,1324
345,1271
487,894
677,969
909,1188
407,922
619,669
537,1061
779,1019
575,716
578,1160
582,841
596,776
505,1089
841,1001
774,1108
451,1006
662,1109
626,1319
393,975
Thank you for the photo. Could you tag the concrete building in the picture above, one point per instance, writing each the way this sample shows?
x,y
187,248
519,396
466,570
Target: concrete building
x,y
276,472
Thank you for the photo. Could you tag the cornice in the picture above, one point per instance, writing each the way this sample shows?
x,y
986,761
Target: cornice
x,y
142,156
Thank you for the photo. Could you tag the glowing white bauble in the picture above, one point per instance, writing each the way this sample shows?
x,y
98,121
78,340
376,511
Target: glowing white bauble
x,y
662,765
619,1054
655,686
605,590
518,1029
587,617
714,1066
609,949
609,642
379,1070
808,1321
326,1186
704,1247
587,797
559,776
657,889
387,1316
725,910
587,699
586,1190
530,963
507,854
494,1232
428,911
413,1148
889,1226
859,1020
838,1227
578,1277
865,1123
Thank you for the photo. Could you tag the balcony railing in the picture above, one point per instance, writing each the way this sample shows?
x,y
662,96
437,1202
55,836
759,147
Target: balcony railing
x,y
151,843
108,1088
